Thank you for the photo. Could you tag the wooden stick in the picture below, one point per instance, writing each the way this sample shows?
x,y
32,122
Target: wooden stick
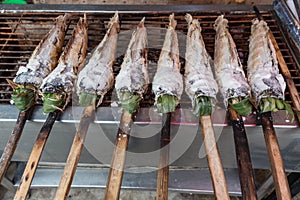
x,y
115,176
213,159
243,157
74,155
163,168
12,143
35,157
278,171
275,159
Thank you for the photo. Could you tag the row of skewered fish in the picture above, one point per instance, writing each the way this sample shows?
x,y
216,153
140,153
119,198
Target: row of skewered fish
x,y
55,78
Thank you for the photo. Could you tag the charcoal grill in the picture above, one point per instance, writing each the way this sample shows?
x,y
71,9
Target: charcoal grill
x,y
22,27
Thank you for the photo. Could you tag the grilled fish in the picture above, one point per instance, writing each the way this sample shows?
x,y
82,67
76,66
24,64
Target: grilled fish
x,y
97,77
267,85
42,61
168,80
132,80
59,84
262,70
45,56
228,68
199,79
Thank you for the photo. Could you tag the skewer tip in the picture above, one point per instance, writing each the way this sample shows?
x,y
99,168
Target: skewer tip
x,y
114,20
116,16
84,18
188,18
66,16
141,24
220,21
192,22
173,22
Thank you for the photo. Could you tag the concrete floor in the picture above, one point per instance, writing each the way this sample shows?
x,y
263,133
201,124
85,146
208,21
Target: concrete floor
x,y
87,194
97,193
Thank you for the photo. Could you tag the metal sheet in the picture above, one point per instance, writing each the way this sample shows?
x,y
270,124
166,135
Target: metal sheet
x,y
187,149
128,8
180,180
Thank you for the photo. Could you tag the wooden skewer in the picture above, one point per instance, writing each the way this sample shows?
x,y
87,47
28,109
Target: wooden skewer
x,y
35,157
275,158
213,159
243,157
115,176
163,169
278,171
12,143
74,155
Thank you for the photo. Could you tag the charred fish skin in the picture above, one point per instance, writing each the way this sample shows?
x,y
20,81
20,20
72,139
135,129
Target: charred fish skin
x,y
228,68
133,76
59,84
133,80
168,80
263,73
42,61
45,56
199,79
97,77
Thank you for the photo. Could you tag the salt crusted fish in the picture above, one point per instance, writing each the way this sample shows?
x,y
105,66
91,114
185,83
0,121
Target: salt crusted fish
x,y
266,83
97,77
132,80
229,70
200,84
59,84
42,61
167,82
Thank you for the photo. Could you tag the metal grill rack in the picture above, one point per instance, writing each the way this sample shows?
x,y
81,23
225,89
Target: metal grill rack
x,y
21,29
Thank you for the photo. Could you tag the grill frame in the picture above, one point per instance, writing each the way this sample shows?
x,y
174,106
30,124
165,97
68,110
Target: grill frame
x,y
188,120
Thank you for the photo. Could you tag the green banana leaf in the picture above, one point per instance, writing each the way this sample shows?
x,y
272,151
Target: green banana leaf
x,y
86,99
53,101
129,101
242,107
166,103
203,105
270,104
24,97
